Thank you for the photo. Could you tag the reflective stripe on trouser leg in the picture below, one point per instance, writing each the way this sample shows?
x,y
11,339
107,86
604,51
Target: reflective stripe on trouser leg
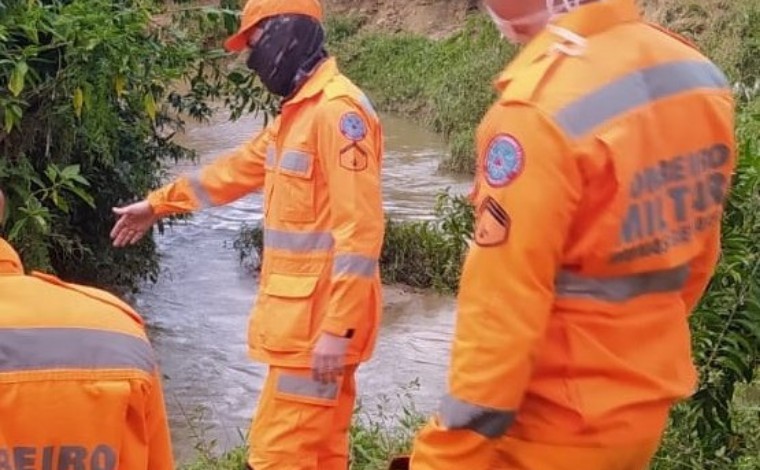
x,y
437,447
335,454
461,436
295,425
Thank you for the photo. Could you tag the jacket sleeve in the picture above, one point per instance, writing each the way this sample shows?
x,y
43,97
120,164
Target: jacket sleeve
x,y
160,456
228,178
528,192
350,151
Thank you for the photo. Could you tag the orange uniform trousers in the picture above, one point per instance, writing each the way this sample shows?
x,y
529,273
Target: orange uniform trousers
x,y
516,454
301,424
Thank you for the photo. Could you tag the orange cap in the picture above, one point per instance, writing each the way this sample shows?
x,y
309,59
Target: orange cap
x,y
257,10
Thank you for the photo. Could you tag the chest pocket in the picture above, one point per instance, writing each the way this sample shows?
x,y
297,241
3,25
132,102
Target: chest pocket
x,y
295,198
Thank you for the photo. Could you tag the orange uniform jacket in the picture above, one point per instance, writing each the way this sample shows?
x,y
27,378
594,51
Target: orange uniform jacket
x,y
319,165
601,182
79,385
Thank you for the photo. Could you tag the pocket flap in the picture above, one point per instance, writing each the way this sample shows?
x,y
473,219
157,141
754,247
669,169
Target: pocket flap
x,y
297,163
291,286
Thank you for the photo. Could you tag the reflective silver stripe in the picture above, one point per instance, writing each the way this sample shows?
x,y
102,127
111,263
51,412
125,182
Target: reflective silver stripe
x,y
621,288
306,387
297,241
357,265
488,422
295,161
637,89
200,192
25,349
271,157
367,104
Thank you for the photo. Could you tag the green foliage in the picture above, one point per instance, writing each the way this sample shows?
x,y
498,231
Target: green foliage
x,y
386,432
96,91
429,254
234,460
425,254
682,447
32,196
250,246
376,435
340,28
725,30
726,324
446,84
433,82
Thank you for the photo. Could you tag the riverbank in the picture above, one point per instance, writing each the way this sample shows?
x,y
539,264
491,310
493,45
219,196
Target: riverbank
x,y
445,84
377,438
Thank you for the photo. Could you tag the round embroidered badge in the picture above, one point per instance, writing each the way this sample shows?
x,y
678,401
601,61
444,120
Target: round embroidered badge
x,y
352,127
504,160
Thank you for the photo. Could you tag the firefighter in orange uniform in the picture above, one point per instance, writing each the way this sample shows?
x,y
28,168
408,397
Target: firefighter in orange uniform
x,y
79,384
603,170
318,164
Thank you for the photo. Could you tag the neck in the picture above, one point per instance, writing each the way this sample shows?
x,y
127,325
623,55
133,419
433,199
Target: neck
x,y
306,71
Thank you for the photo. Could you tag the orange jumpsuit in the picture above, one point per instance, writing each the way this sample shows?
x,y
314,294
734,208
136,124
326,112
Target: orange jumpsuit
x,y
601,182
79,384
319,165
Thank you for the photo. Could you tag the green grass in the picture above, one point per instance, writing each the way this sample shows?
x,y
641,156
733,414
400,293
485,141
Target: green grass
x,y
681,450
378,433
424,254
445,84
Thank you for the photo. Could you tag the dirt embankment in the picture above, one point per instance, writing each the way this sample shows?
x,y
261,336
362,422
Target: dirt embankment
x,y
433,18
438,18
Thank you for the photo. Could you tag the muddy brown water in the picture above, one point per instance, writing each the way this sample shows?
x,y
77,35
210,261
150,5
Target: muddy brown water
x,y
198,310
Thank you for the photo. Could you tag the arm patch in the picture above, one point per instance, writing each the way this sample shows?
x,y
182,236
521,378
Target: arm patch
x,y
353,127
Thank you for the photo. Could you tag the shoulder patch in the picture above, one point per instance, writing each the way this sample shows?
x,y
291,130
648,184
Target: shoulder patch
x,y
493,224
353,127
504,160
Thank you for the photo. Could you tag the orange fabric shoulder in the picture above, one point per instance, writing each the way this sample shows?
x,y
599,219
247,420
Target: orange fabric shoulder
x,y
92,293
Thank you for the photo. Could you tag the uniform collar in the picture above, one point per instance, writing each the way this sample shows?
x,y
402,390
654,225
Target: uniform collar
x,y
597,17
586,21
10,263
325,72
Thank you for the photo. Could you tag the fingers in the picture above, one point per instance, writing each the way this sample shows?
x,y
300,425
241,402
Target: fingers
x,y
333,374
123,236
318,367
119,226
326,369
126,233
132,225
136,236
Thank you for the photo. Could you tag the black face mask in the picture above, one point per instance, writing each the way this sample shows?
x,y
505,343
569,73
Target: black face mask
x,y
288,50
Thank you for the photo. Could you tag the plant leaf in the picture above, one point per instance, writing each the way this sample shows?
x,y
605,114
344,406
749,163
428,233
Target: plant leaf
x,y
18,78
